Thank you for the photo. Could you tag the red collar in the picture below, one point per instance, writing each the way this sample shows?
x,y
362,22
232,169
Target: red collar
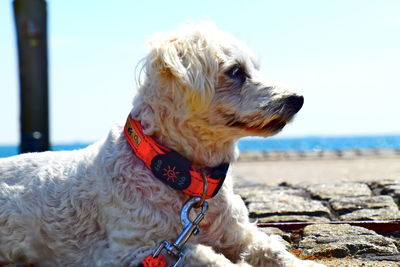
x,y
169,166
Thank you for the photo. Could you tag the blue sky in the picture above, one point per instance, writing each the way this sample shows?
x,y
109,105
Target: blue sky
x,y
343,56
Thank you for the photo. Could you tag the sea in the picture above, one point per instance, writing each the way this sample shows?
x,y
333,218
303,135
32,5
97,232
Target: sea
x,y
311,143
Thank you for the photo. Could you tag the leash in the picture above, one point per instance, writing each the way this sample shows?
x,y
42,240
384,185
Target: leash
x,y
177,172
189,228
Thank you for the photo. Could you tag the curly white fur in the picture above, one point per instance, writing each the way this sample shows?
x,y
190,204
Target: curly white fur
x,y
100,206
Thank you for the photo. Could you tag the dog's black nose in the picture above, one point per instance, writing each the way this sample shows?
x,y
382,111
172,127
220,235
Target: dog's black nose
x,y
294,102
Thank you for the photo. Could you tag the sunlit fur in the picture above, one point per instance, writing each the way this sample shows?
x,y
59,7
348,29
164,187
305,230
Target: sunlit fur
x,y
100,206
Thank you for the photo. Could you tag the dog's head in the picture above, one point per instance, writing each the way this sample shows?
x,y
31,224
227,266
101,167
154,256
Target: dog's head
x,y
202,78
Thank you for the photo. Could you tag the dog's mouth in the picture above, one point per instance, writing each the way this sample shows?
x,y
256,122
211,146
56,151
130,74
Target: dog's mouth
x,y
273,125
258,125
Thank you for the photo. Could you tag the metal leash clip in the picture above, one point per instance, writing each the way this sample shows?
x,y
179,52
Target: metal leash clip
x,y
189,228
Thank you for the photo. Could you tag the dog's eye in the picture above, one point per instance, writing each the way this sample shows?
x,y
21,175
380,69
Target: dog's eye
x,y
237,73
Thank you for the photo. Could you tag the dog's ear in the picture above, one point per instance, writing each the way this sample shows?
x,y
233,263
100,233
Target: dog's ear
x,y
185,67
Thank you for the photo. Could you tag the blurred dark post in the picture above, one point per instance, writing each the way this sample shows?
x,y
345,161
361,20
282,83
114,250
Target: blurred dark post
x,y
30,19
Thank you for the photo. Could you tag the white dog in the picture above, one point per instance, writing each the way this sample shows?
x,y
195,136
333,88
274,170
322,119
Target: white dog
x,y
103,206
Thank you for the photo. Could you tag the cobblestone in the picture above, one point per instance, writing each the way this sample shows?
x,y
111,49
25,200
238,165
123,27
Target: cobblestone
x,y
388,187
327,191
344,240
321,204
366,208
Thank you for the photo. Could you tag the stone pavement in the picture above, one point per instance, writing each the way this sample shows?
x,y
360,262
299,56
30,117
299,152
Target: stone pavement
x,y
344,224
